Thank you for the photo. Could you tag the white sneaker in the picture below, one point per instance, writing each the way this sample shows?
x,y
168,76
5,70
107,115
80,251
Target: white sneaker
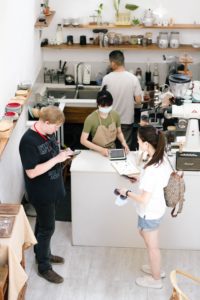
x,y
149,282
146,269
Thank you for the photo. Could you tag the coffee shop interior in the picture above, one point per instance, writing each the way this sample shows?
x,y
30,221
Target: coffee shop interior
x,y
57,53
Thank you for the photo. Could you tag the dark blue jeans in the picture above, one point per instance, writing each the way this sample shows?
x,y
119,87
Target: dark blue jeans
x,y
44,229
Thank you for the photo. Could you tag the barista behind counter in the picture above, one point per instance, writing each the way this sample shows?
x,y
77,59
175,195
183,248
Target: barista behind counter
x,y
103,125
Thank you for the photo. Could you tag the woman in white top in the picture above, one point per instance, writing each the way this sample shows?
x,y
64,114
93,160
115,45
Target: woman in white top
x,y
150,201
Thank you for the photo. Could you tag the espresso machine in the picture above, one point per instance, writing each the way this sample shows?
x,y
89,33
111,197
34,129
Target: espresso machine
x,y
188,157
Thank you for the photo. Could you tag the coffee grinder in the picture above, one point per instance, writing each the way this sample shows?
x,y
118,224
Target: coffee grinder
x,y
189,157
179,84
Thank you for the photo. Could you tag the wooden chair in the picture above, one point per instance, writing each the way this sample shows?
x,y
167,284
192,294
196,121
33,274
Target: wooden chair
x,y
3,282
177,293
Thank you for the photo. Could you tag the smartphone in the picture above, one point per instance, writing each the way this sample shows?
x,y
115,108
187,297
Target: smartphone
x,y
116,192
76,152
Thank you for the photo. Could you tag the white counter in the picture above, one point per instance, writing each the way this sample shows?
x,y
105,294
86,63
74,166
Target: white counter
x,y
97,221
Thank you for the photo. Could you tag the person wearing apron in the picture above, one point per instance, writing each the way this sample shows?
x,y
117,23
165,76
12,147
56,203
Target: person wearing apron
x,y
103,125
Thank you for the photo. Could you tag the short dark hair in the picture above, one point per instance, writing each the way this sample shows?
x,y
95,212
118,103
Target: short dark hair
x,y
156,138
104,97
117,57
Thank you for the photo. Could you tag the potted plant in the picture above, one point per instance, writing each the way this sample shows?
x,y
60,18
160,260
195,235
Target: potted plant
x,y
116,4
46,7
132,7
99,13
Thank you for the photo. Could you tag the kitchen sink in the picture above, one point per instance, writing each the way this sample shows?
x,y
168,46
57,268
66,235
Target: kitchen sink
x,y
88,92
57,93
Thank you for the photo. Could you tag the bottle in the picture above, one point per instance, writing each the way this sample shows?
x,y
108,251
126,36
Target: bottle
x,y
42,17
138,73
59,35
147,74
156,76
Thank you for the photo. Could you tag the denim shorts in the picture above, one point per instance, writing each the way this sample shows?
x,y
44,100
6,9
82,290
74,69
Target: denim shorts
x,y
148,225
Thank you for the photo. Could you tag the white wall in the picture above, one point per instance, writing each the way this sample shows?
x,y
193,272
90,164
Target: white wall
x,y
20,60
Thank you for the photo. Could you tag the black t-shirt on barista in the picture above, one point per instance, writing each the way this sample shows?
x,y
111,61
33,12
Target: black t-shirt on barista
x,y
35,149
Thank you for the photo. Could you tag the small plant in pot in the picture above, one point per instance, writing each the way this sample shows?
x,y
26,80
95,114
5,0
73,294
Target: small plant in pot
x,y
99,13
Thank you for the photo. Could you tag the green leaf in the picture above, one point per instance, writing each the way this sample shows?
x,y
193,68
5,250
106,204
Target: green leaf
x,y
131,6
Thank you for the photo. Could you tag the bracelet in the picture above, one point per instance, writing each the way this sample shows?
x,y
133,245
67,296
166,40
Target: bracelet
x,y
128,191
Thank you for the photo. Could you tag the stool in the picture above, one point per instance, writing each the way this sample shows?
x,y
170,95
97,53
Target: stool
x,y
3,282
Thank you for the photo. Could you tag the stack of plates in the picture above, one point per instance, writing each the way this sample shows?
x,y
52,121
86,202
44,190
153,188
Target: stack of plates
x,y
14,107
10,115
5,128
23,93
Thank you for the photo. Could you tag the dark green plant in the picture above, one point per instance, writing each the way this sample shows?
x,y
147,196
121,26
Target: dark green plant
x,y
131,7
136,21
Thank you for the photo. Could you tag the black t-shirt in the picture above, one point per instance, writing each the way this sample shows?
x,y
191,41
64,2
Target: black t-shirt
x,y
34,150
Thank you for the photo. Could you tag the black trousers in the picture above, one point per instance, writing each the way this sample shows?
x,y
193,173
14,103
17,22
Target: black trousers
x,y
44,229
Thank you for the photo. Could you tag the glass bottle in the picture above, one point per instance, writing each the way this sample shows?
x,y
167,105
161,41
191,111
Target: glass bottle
x,y
59,35
156,75
42,17
147,74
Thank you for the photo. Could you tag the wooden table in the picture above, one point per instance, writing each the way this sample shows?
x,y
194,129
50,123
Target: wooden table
x,y
11,253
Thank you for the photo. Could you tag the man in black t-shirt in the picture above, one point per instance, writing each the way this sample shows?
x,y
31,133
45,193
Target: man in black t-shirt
x,y
41,160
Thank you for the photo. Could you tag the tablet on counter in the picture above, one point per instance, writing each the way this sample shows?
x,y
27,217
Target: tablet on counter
x,y
117,154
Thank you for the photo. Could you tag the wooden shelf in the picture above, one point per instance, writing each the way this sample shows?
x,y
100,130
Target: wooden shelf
x,y
107,26
49,18
4,141
182,48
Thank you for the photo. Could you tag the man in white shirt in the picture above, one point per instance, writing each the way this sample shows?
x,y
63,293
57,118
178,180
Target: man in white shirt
x,y
125,89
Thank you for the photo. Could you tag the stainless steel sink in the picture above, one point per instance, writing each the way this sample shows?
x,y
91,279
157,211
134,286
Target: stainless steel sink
x,y
88,92
61,93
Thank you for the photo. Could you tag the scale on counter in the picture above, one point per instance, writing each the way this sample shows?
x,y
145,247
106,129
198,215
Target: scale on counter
x,y
188,161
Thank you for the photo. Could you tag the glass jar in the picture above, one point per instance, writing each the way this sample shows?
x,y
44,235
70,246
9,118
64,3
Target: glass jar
x,y
163,39
126,39
174,39
111,37
133,40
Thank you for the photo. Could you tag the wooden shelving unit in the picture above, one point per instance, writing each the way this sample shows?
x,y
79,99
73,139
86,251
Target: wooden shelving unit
x,y
182,48
110,26
4,141
49,18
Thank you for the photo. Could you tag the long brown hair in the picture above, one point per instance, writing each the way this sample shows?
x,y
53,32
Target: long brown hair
x,y
156,138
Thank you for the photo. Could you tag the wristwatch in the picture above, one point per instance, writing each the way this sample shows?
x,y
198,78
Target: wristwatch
x,y
128,191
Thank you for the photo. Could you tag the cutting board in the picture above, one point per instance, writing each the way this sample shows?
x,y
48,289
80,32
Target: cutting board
x,y
9,209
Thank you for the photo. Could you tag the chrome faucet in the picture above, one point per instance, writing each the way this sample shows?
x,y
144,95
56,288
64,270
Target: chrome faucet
x,y
79,84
